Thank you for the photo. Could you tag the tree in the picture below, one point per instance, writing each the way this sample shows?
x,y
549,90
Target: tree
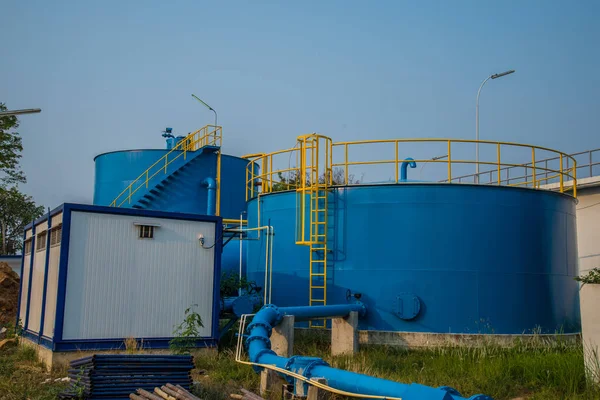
x,y
16,211
16,208
10,150
291,180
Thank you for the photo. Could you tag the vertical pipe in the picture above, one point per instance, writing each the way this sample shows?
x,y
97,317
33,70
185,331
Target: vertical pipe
x,y
591,163
271,261
498,159
218,184
533,165
271,173
396,149
561,173
449,163
346,161
241,252
211,196
574,178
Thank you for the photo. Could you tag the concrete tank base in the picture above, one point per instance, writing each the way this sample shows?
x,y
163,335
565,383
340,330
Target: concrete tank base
x,y
61,359
416,340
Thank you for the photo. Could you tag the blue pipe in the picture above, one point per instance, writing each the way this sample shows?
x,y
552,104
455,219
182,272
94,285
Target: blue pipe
x,y
241,305
404,168
211,200
259,351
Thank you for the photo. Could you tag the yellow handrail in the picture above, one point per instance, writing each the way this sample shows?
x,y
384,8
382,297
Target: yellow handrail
x,y
209,135
266,172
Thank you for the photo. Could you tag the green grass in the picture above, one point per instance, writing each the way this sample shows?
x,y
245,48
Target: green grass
x,y
552,371
21,376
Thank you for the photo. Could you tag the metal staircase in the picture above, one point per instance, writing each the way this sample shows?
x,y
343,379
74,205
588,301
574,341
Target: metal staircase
x,y
312,222
154,181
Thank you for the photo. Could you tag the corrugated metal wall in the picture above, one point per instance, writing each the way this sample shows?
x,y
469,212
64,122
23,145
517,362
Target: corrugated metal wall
x,y
120,286
52,284
37,282
25,283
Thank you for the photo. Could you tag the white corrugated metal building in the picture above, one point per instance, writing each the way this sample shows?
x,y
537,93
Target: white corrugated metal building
x,y
93,276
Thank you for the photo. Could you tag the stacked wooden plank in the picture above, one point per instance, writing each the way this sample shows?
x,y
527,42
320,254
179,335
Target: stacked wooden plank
x,y
165,392
115,376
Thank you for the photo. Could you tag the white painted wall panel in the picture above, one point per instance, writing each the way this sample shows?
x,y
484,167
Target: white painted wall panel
x,y
57,219
37,289
588,232
51,291
24,287
119,285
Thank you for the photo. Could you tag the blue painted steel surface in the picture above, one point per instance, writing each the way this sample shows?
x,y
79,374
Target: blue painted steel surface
x,y
116,170
481,259
259,351
240,305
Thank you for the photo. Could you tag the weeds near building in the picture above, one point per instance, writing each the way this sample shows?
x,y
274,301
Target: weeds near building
x,y
187,332
592,277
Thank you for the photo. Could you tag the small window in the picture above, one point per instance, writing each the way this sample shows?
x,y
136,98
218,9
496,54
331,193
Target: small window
x,y
40,241
28,246
146,231
56,235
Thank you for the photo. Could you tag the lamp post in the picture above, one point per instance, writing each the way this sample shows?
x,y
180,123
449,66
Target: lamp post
x,y
207,106
19,112
494,76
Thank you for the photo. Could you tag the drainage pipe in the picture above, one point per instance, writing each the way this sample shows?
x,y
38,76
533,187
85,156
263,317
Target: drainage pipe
x,y
404,167
259,352
210,183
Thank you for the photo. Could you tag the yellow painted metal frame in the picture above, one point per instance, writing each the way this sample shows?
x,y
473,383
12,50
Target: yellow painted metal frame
x,y
267,177
209,135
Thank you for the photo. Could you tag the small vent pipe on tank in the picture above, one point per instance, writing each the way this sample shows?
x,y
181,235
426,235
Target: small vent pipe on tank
x,y
404,168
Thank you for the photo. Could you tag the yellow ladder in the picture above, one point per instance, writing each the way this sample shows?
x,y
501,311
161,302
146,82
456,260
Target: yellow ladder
x,y
315,170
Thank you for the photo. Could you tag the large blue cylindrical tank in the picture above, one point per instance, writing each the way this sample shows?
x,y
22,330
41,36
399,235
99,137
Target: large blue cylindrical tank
x,y
187,192
116,170
445,258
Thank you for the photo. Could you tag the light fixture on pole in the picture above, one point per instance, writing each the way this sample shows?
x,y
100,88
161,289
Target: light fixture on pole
x,y
494,76
207,106
19,112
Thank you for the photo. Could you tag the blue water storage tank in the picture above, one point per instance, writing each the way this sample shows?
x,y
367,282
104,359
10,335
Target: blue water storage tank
x,y
183,186
445,258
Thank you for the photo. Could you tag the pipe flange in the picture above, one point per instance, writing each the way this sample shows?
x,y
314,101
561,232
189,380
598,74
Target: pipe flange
x,y
263,339
288,367
311,365
279,316
268,327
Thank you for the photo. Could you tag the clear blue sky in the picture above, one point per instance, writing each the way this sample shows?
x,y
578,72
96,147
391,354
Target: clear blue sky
x,y
112,74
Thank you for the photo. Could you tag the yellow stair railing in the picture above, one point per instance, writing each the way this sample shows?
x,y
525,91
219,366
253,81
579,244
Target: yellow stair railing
x,y
313,192
209,135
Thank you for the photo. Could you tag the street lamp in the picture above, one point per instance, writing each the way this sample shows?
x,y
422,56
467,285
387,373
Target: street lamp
x,y
494,76
19,112
207,106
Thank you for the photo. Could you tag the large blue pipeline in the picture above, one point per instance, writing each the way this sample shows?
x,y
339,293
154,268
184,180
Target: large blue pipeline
x,y
259,351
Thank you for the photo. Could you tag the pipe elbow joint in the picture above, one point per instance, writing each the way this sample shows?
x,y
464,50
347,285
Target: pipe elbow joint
x,y
209,182
403,168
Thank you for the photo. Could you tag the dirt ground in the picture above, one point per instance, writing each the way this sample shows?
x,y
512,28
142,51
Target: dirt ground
x,y
9,294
